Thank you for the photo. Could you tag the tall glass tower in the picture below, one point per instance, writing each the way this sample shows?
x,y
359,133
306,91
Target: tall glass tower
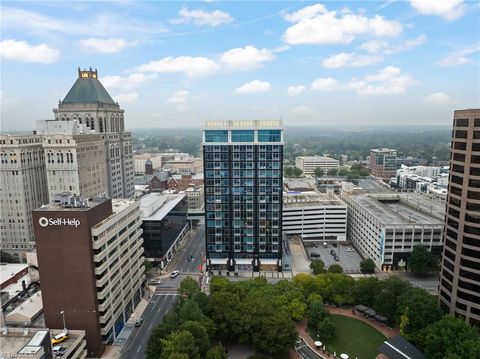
x,y
243,165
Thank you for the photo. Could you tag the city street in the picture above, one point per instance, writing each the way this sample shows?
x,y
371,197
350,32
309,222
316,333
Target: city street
x,y
165,296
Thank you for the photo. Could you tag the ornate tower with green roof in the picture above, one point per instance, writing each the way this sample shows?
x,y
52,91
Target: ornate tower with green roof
x,y
89,104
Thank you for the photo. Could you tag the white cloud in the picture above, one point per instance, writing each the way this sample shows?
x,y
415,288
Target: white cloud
x,y
126,83
24,52
201,17
302,110
316,25
245,58
325,84
126,97
253,87
350,60
178,98
448,9
191,66
459,57
439,98
16,19
376,46
105,46
388,81
296,90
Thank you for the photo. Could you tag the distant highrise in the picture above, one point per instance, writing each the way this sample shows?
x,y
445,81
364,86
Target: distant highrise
x,y
243,167
460,275
90,104
383,162
23,187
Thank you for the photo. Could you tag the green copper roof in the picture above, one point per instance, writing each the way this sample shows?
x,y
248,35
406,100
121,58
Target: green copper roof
x,y
88,90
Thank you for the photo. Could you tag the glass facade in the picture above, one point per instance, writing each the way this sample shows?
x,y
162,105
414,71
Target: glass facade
x,y
216,136
243,202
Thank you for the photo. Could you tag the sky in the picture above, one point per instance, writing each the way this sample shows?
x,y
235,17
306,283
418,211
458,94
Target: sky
x,y
178,64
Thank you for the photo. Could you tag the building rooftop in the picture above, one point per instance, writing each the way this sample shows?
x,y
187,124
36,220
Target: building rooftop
x,y
155,206
67,202
10,269
383,150
88,89
403,208
299,184
304,199
313,158
254,124
27,311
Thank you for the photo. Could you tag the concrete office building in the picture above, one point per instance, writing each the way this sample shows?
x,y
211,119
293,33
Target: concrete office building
x,y
314,216
308,163
164,223
460,275
90,104
383,162
385,227
90,258
75,159
195,198
243,162
23,187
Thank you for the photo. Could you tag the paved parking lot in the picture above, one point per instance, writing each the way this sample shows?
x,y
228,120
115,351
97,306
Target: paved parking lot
x,y
350,261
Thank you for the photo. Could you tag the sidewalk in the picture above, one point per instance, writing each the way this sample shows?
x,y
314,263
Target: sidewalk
x,y
113,351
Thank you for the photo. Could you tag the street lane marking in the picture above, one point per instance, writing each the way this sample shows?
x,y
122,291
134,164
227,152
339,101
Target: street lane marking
x,y
138,350
150,327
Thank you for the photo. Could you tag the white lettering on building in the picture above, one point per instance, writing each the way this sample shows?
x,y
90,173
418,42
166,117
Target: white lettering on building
x,y
44,222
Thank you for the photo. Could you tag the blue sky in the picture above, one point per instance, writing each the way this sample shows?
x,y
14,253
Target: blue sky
x,y
177,64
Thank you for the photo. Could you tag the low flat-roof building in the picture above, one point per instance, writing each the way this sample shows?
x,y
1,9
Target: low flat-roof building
x,y
315,216
308,163
385,227
164,223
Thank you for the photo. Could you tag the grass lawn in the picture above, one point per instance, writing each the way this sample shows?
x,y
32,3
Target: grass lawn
x,y
355,338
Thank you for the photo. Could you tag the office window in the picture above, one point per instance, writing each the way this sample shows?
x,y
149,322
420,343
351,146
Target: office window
x,y
242,136
269,136
216,136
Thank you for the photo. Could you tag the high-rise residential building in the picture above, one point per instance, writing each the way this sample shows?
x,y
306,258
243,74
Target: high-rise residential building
x,y
308,164
460,275
75,159
243,166
23,187
383,162
90,258
90,104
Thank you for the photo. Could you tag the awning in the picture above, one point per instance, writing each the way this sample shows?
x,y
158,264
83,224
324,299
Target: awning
x,y
243,261
268,261
218,260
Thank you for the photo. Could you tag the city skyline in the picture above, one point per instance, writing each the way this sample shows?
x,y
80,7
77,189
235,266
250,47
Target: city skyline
x,y
177,65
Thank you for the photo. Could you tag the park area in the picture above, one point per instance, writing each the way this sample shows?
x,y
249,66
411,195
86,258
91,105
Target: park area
x,y
354,337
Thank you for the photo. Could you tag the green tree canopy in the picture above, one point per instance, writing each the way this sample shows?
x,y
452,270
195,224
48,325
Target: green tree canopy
x,y
181,342
189,287
422,262
290,171
326,329
199,334
318,172
217,352
317,266
367,266
332,171
335,268
366,290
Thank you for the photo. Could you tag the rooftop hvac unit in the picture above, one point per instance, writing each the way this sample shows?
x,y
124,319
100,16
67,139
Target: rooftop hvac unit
x,y
25,331
4,331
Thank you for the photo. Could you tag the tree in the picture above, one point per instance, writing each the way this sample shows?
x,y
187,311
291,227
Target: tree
x,y
450,337
367,266
317,266
178,356
291,171
296,309
315,314
422,262
181,342
387,299
200,335
148,265
335,268
342,172
274,333
189,287
332,171
366,290
6,257
326,329
318,172
202,300
217,352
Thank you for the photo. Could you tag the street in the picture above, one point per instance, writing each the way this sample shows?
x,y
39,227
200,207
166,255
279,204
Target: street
x,y
165,296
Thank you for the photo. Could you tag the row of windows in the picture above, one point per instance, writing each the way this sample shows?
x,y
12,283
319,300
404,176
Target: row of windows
x,y
243,135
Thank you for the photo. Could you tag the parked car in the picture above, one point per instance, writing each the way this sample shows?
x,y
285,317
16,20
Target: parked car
x,y
139,322
336,258
332,252
59,338
58,350
350,249
334,245
314,255
325,244
174,274
315,245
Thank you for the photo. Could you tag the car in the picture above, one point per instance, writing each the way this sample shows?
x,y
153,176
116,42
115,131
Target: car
x,y
314,255
139,322
315,245
152,282
60,338
336,258
334,245
350,249
59,351
325,244
174,274
332,252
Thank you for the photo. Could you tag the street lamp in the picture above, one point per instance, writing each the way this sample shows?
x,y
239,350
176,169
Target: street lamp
x,y
64,325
